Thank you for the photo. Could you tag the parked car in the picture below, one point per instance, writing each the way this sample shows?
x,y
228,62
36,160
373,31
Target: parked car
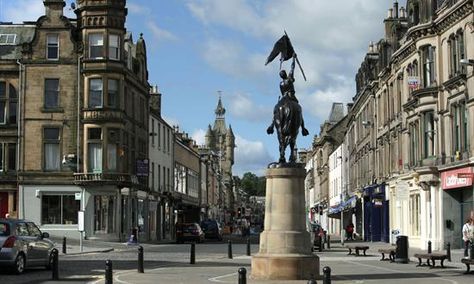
x,y
212,229
23,245
189,232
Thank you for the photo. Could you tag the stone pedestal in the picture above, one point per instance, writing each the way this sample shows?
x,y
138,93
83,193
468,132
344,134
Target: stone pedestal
x,y
285,245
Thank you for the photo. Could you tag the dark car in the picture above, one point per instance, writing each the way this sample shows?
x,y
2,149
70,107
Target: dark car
x,y
23,245
189,232
212,229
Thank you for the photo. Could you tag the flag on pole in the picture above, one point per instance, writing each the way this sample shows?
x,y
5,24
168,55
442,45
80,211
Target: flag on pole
x,y
282,46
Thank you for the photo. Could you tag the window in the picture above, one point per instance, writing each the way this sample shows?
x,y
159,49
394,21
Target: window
x,y
429,134
8,104
11,166
22,229
52,156
96,46
94,150
2,148
153,188
52,43
112,98
460,118
415,212
456,53
95,93
414,154
112,148
7,39
153,132
51,93
59,209
159,136
429,75
34,231
114,47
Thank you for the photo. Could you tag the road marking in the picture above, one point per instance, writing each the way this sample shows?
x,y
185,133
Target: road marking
x,y
216,279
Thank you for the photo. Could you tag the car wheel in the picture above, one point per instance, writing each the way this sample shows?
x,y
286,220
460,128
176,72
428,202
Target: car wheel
x,y
19,264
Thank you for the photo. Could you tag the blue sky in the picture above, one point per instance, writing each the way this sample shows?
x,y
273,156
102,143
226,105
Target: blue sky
x,y
199,47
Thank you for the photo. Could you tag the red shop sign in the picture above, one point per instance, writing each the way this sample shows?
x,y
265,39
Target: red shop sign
x,y
451,180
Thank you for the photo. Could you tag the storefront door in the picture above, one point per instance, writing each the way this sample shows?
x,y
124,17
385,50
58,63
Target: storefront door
x,y
3,204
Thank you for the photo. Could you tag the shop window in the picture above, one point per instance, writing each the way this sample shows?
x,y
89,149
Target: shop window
x,y
104,214
51,149
59,209
114,47
52,42
113,93
94,150
95,93
51,93
96,46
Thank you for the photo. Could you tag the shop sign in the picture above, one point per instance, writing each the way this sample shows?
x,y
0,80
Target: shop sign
x,y
413,82
80,221
450,179
403,192
142,168
77,196
378,202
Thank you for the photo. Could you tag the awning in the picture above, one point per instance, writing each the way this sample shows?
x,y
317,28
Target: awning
x,y
349,203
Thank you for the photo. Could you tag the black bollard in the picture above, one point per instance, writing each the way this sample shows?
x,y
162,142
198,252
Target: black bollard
x,y
248,246
326,275
64,245
329,241
429,246
311,280
242,275
55,264
229,249
448,251
193,254
140,260
108,272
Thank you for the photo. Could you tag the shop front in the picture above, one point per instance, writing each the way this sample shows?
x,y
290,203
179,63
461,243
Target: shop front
x,y
376,214
457,203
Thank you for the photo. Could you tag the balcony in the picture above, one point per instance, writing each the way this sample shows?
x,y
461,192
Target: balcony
x,y
108,178
103,115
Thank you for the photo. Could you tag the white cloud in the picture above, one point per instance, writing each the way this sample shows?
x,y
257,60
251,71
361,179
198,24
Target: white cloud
x,y
250,156
26,10
199,135
137,9
160,34
330,38
243,107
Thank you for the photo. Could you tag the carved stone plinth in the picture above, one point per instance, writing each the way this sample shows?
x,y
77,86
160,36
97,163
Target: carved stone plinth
x,y
285,245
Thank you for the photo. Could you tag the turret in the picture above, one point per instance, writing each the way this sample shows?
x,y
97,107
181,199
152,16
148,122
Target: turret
x,y
209,138
230,145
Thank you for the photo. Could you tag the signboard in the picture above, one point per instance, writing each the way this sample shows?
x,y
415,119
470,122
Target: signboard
x,y
465,175
403,192
413,82
142,168
80,221
377,202
450,179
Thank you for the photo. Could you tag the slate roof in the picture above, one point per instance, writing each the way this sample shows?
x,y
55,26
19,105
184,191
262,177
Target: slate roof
x,y
24,33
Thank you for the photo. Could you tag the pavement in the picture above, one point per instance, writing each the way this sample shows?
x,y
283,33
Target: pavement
x,y
345,269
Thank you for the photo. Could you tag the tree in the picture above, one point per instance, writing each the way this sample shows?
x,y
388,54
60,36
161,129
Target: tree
x,y
252,184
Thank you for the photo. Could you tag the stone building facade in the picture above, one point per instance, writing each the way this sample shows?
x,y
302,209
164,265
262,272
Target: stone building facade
x,y
82,98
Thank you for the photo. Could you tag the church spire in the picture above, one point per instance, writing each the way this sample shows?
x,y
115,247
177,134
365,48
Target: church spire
x,y
220,110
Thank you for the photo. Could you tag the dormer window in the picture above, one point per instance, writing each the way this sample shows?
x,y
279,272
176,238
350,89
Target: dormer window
x,y
52,43
7,39
96,46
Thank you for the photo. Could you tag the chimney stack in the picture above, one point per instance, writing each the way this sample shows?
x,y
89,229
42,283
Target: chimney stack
x,y
395,9
390,13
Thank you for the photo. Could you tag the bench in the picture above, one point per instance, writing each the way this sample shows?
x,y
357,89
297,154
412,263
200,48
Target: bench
x,y
390,252
431,257
357,249
468,263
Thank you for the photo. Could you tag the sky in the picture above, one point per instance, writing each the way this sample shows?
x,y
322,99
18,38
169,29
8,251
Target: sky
x,y
200,48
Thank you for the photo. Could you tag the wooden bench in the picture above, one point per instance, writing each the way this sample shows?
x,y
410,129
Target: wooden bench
x,y
468,263
357,249
431,257
390,252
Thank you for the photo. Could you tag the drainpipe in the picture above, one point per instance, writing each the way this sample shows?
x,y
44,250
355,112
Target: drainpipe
x,y
18,123
78,143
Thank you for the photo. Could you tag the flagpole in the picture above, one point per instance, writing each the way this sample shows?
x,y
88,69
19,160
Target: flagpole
x,y
297,61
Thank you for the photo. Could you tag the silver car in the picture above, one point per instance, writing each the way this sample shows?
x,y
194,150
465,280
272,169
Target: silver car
x,y
23,245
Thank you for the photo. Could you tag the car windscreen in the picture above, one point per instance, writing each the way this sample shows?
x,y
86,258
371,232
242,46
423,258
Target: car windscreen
x,y
4,229
189,228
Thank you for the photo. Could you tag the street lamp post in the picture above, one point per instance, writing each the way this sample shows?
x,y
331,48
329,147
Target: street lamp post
x,y
341,202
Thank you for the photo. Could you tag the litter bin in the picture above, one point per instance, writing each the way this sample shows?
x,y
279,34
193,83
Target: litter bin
x,y
401,252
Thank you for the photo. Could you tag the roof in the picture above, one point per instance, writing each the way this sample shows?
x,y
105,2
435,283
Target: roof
x,y
337,112
24,33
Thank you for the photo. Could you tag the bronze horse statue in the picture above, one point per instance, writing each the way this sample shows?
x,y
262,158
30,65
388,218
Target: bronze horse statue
x,y
287,119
